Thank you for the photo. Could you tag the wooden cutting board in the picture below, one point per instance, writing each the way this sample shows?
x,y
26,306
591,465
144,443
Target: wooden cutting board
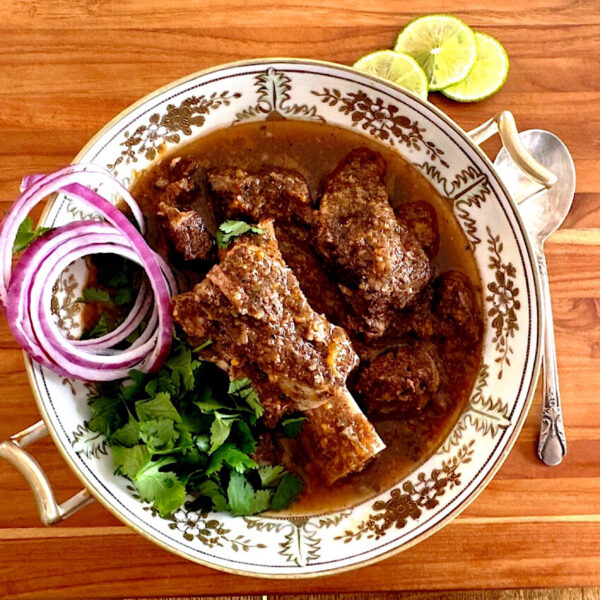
x,y
67,67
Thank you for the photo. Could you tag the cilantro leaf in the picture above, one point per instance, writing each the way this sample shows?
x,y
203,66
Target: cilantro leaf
x,y
203,345
287,491
124,296
93,294
182,363
128,435
158,434
270,475
102,327
128,461
243,500
219,430
106,414
233,457
165,490
26,235
202,442
292,426
114,271
156,408
207,403
185,439
229,230
243,389
195,422
135,384
220,504
211,489
163,382
244,437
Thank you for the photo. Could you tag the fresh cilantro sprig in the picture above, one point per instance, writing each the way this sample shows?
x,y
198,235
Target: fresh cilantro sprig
x,y
187,430
116,281
291,426
26,234
230,230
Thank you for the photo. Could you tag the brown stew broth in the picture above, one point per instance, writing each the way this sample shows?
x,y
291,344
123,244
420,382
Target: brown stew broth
x,y
314,150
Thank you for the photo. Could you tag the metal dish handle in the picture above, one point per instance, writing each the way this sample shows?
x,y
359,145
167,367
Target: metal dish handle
x,y
504,124
50,511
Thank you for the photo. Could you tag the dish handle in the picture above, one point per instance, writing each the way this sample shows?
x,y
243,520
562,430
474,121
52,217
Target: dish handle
x,y
504,124
50,511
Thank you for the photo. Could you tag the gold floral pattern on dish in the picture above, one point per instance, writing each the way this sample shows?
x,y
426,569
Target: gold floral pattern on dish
x,y
409,501
382,120
149,138
504,301
273,100
486,415
468,189
63,304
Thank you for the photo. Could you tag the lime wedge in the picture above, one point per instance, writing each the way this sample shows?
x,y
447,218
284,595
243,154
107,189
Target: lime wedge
x,y
397,68
487,75
443,45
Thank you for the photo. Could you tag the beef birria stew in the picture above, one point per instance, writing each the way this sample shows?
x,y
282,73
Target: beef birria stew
x,y
326,270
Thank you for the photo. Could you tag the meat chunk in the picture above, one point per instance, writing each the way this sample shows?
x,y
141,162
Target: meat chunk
x,y
415,321
262,327
456,308
421,219
268,194
187,232
446,309
321,292
399,380
179,182
184,210
252,307
379,263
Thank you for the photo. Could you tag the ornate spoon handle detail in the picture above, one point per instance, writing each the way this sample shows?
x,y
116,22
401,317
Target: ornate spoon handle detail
x,y
552,446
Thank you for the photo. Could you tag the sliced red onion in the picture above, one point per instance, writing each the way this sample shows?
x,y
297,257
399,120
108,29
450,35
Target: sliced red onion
x,y
41,188
27,291
29,180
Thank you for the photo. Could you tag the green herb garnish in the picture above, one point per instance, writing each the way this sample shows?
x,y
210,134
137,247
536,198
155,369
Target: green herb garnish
x,y
203,345
291,426
230,230
115,289
26,234
93,294
187,430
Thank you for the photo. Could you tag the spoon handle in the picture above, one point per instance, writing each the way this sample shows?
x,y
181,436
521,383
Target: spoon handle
x,y
552,445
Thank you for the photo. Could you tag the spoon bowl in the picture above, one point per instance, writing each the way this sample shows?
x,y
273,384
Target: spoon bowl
x,y
543,211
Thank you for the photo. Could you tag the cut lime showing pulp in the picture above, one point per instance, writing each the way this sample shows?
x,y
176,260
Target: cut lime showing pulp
x,y
397,68
443,45
487,75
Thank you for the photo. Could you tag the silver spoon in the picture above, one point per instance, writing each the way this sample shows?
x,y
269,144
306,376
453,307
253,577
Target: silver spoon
x,y
543,212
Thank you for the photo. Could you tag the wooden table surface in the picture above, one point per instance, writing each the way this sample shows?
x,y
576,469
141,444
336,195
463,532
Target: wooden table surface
x,y
67,67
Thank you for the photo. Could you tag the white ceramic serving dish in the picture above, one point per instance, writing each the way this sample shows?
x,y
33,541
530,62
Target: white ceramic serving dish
x,y
452,477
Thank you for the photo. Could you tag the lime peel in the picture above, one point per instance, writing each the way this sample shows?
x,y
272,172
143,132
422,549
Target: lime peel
x,y
488,74
443,46
397,68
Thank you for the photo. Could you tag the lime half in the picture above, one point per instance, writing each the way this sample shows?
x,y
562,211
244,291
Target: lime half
x,y
397,68
487,75
443,45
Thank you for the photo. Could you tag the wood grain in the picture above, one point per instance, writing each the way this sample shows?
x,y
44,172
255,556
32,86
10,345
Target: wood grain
x,y
68,66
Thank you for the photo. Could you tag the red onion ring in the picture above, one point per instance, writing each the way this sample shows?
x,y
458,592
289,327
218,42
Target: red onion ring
x,y
26,291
